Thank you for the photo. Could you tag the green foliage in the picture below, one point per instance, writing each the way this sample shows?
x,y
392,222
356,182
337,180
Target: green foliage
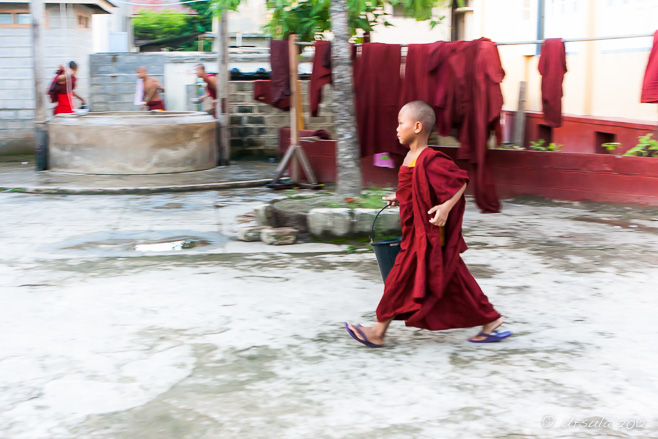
x,y
647,147
307,18
610,146
539,146
304,18
150,25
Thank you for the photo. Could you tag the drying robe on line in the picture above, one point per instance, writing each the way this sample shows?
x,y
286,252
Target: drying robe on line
x,y
650,83
64,97
321,74
429,286
419,82
377,87
473,103
552,67
263,93
280,62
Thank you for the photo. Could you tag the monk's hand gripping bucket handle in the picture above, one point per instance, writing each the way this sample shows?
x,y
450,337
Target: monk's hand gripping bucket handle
x,y
372,229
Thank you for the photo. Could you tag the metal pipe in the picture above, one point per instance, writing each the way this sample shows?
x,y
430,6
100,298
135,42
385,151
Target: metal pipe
x,y
518,43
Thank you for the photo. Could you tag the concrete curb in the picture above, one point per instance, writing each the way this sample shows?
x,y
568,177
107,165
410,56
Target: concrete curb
x,y
135,190
329,223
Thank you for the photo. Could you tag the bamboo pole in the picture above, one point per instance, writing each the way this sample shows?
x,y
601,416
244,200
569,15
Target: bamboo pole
x,y
294,104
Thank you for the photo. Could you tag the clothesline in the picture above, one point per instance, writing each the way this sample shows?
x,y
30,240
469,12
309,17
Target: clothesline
x,y
519,43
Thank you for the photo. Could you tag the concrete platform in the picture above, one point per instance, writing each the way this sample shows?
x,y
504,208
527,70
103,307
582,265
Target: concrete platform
x,y
18,177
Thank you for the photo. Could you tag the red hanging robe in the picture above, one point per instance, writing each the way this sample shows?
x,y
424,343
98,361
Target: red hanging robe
x,y
439,69
377,88
321,74
430,286
650,83
552,67
263,93
280,77
418,82
473,103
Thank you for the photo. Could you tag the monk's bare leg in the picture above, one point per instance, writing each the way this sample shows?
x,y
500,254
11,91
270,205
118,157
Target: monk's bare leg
x,y
489,328
375,333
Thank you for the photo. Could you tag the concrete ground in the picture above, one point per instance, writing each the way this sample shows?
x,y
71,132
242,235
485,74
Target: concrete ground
x,y
18,175
241,340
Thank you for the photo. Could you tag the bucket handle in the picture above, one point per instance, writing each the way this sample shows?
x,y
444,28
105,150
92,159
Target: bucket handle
x,y
372,229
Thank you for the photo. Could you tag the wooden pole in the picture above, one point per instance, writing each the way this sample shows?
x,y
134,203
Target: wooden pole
x,y
38,14
519,118
222,104
294,104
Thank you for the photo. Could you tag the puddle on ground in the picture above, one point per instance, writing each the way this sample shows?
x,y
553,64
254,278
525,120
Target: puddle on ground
x,y
183,244
135,242
172,244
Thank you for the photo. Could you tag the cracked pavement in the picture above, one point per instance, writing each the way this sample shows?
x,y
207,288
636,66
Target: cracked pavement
x,y
231,339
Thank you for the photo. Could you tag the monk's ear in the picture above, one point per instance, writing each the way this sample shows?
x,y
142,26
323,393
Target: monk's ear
x,y
418,127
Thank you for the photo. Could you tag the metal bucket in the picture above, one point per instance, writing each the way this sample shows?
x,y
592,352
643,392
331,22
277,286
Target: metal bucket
x,y
386,251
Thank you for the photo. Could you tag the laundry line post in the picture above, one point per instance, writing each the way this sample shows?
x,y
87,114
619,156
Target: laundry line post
x,y
294,104
295,156
519,118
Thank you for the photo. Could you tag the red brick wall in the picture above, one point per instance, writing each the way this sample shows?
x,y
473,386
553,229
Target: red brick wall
x,y
579,133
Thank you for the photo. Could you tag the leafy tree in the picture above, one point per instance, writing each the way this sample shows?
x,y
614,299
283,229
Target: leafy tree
x,y
150,25
343,17
307,18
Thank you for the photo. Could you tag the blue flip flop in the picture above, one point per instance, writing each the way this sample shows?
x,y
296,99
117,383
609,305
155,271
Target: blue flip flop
x,y
365,340
493,337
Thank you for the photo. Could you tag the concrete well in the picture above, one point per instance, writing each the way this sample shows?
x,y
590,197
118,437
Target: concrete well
x,y
132,142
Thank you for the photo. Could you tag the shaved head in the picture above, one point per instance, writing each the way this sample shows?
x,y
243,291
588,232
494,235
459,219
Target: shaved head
x,y
421,111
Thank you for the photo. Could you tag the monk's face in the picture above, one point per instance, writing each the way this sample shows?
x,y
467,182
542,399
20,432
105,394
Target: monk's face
x,y
201,73
408,128
141,73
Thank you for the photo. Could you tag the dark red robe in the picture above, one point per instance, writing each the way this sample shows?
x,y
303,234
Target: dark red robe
x,y
429,286
280,77
263,93
552,67
321,74
473,103
156,105
377,87
650,83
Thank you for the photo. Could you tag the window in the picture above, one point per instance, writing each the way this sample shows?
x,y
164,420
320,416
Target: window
x,y
15,18
23,19
83,21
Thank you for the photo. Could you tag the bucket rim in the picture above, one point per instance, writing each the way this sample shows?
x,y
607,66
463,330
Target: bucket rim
x,y
387,241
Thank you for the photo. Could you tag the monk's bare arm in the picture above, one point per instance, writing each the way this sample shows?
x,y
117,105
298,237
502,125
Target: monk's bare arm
x,y
442,210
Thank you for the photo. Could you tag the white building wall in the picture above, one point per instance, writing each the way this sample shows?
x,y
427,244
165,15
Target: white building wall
x,y
64,41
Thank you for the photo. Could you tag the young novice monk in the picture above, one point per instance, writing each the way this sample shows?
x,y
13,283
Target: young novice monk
x,y
429,286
